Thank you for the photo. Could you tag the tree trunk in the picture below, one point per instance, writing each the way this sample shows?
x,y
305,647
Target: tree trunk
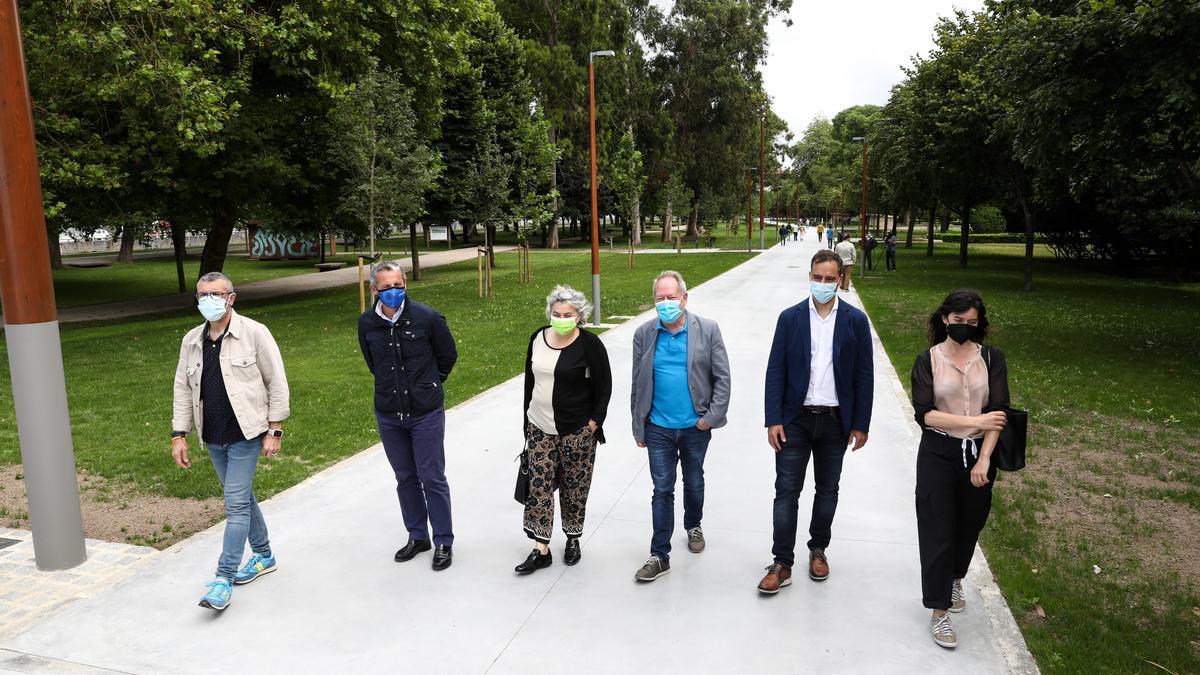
x,y
125,254
553,242
908,223
965,233
946,220
1029,223
693,230
489,233
224,217
635,221
932,220
56,262
667,225
416,252
179,243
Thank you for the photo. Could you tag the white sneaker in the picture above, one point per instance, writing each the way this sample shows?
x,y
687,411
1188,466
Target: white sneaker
x,y
943,632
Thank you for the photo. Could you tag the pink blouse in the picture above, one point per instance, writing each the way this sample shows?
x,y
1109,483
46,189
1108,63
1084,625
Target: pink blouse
x,y
960,391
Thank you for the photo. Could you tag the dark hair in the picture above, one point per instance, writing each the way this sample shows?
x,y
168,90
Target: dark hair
x,y
826,255
959,301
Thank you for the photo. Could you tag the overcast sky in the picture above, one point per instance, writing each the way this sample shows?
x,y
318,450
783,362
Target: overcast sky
x,y
840,53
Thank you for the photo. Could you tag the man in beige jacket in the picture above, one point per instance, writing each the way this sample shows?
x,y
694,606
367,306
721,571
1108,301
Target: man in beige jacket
x,y
230,385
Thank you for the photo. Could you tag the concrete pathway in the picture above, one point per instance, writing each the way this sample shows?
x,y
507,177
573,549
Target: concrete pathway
x,y
256,290
339,604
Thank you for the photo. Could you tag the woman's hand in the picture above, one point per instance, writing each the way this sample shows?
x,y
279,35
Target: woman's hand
x,y
979,472
179,452
993,421
592,425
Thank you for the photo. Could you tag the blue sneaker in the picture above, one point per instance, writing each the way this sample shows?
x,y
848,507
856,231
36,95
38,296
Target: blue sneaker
x,y
254,568
220,591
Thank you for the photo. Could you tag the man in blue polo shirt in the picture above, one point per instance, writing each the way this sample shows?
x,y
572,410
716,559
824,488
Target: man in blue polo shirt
x,y
680,394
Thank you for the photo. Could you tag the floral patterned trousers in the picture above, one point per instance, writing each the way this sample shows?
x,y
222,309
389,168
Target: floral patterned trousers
x,y
564,463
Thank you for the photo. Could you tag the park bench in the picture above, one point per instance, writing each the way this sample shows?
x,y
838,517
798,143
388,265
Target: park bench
x,y
329,266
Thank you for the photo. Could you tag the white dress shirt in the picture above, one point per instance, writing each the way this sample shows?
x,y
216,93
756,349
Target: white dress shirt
x,y
395,317
821,387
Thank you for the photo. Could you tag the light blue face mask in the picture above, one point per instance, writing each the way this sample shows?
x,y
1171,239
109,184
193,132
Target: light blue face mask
x,y
668,310
822,293
212,308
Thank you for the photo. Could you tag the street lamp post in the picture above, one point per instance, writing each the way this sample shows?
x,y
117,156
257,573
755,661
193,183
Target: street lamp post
x,y
595,217
749,209
862,215
31,323
762,205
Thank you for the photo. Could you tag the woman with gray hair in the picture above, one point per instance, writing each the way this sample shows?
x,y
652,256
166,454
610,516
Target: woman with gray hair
x,y
567,386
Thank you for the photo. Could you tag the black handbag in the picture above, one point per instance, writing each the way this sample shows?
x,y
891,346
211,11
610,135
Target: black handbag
x,y
521,491
1009,453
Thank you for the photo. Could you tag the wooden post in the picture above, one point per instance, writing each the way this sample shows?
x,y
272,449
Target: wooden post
x,y
479,270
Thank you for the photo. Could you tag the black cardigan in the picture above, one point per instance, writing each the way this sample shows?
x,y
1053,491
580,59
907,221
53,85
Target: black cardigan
x,y
922,383
576,399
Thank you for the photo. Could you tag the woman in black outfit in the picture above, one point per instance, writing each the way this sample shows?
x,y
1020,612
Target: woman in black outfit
x,y
567,386
959,392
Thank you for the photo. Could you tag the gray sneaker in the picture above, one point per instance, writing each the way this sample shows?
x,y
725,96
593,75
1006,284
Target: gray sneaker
x,y
958,601
943,632
695,540
654,568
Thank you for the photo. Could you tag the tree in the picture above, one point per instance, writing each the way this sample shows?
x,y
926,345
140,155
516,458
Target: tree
x,y
389,166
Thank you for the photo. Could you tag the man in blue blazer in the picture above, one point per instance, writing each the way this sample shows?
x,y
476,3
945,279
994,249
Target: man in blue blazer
x,y
819,386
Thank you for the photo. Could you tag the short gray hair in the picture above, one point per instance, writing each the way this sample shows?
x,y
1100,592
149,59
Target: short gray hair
x,y
573,298
388,266
215,276
669,274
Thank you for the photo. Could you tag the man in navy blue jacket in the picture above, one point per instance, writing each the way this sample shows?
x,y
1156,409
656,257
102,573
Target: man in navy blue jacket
x,y
410,352
819,385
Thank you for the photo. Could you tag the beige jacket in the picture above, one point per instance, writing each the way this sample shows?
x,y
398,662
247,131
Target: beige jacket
x,y
846,250
253,372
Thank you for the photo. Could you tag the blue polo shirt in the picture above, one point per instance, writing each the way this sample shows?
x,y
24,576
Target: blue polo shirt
x,y
672,404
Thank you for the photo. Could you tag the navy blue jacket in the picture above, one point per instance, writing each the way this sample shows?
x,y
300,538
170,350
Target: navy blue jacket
x,y
410,360
788,367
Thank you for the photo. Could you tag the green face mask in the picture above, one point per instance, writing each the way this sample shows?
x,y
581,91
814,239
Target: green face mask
x,y
562,326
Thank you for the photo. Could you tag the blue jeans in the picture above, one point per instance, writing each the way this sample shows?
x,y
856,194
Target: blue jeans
x,y
667,447
819,435
235,464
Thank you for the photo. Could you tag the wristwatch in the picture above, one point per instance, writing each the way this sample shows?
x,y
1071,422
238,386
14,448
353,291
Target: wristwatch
x,y
277,433
178,434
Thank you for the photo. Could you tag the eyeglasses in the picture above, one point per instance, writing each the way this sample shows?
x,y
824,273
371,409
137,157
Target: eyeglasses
x,y
219,295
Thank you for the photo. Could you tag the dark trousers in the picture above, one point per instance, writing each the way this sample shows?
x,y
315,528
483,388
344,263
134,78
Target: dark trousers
x,y
890,259
950,514
819,435
666,449
415,449
870,260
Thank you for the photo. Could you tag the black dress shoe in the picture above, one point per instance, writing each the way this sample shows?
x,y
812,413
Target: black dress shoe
x,y
535,562
442,557
411,549
572,554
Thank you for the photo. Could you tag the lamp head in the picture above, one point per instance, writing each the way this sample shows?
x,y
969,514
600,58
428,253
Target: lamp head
x,y
607,52
859,138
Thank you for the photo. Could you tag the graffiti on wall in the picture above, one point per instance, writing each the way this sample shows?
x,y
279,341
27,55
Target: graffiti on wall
x,y
273,246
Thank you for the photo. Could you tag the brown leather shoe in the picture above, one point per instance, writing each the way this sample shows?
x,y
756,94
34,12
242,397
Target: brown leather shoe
x,y
818,565
777,577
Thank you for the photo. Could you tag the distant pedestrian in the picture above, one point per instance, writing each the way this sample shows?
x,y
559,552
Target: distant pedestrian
x,y
568,383
783,235
410,352
680,394
845,249
829,236
230,385
818,399
869,250
889,250
959,394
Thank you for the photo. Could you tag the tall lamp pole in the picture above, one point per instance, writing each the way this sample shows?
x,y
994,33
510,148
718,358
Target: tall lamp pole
x,y
31,322
595,211
862,215
749,208
762,205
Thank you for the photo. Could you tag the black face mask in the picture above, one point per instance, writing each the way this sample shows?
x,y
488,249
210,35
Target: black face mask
x,y
961,332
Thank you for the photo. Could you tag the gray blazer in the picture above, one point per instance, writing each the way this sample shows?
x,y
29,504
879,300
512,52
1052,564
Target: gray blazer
x,y
707,368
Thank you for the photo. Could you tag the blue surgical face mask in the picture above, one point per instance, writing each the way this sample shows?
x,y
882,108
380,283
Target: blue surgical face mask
x,y
822,293
212,308
392,297
668,310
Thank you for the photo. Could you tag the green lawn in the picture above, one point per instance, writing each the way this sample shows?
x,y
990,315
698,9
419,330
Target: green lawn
x,y
1109,368
75,286
119,374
